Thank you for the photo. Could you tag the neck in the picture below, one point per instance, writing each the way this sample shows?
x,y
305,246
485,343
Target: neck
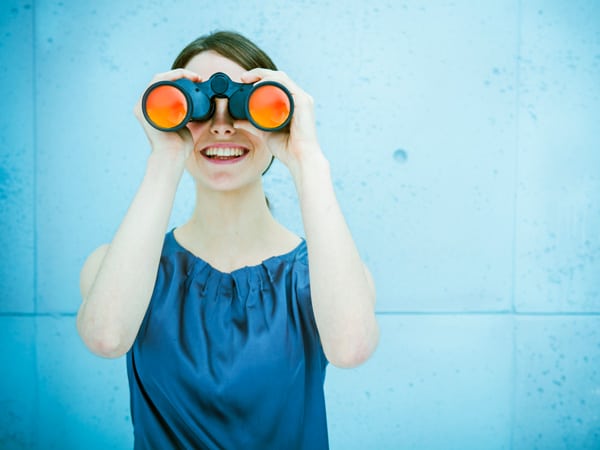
x,y
234,229
232,216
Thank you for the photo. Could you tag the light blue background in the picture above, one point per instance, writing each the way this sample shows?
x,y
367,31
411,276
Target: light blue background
x,y
465,149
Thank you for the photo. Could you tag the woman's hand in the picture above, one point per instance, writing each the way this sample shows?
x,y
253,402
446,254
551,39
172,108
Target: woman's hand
x,y
175,144
298,143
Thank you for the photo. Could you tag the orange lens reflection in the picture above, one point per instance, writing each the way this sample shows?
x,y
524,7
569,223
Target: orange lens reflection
x,y
269,106
166,106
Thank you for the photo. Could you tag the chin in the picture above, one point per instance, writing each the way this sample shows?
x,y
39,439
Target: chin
x,y
226,182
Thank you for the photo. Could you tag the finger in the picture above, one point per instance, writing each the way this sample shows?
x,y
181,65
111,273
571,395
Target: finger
x,y
254,75
259,74
176,74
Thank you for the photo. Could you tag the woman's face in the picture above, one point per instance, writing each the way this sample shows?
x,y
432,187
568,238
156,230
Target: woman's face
x,y
224,158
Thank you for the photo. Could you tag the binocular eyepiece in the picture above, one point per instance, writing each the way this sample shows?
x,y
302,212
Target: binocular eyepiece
x,y
170,105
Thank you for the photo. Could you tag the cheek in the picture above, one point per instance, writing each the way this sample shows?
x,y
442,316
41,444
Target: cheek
x,y
197,129
259,143
191,164
262,155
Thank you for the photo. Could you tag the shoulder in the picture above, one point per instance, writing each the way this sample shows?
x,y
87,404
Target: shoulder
x,y
283,245
285,241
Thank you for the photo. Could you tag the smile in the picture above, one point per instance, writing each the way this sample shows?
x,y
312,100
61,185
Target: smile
x,y
222,153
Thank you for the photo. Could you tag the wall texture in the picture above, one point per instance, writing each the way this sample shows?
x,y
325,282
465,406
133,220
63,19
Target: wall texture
x,y
465,156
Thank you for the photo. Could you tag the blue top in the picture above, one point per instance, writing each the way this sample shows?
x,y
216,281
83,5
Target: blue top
x,y
228,360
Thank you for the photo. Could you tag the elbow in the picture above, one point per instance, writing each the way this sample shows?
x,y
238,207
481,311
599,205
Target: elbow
x,y
105,347
354,351
102,343
348,360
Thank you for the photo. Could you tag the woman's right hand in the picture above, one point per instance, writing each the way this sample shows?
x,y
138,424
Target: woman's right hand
x,y
176,144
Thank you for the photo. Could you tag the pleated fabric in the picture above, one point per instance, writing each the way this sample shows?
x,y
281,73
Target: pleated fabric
x,y
228,360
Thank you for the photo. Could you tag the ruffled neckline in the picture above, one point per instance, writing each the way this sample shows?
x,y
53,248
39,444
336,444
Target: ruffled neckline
x,y
271,261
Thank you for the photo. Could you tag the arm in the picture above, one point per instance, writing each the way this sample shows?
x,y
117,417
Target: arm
x,y
118,279
342,290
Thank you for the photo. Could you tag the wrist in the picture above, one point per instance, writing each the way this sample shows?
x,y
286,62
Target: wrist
x,y
164,167
311,168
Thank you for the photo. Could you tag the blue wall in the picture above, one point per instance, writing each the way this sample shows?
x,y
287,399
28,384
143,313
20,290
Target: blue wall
x,y
466,154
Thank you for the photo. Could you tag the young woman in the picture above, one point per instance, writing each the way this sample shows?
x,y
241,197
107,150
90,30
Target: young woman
x,y
229,320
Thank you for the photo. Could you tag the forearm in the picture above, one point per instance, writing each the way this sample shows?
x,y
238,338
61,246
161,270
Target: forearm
x,y
342,293
115,305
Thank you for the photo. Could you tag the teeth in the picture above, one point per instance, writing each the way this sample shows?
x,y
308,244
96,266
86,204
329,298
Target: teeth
x,y
224,151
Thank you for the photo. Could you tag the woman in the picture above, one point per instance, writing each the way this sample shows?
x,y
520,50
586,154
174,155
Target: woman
x,y
229,320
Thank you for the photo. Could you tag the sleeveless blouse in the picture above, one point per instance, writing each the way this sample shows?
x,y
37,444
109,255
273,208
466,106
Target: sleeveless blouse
x,y
228,360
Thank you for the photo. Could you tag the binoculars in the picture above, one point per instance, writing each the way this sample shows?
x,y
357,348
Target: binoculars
x,y
170,105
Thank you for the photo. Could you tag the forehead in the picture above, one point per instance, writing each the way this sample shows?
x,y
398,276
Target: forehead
x,y
209,62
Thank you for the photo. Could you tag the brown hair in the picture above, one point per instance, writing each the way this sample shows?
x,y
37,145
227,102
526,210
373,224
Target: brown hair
x,y
229,44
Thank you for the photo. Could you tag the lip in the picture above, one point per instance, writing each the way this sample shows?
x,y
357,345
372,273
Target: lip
x,y
221,161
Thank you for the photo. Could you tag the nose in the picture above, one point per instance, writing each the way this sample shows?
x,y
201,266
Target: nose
x,y
221,121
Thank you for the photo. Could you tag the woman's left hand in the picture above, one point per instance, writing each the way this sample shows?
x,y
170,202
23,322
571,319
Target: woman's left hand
x,y
297,143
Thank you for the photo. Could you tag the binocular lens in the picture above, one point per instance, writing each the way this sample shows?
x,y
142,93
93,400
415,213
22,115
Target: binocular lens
x,y
269,106
166,106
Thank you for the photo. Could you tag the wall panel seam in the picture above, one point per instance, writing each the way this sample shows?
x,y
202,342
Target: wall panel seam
x,y
34,142
517,137
493,313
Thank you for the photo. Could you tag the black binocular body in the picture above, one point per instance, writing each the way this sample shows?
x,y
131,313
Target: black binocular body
x,y
170,105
